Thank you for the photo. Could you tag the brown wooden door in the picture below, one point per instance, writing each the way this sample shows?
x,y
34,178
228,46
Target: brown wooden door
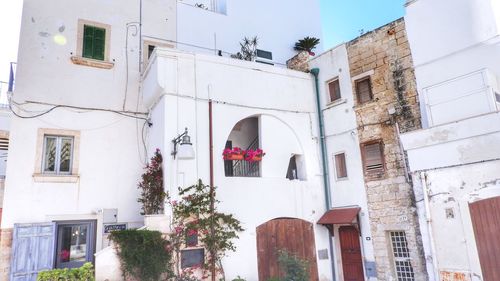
x,y
352,263
294,235
485,215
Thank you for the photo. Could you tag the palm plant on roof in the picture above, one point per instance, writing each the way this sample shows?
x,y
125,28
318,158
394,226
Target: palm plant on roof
x,y
307,44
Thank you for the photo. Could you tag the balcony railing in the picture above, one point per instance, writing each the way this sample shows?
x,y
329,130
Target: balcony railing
x,y
242,168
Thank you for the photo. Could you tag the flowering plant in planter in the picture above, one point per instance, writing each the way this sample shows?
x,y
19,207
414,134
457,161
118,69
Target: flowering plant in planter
x,y
233,153
253,155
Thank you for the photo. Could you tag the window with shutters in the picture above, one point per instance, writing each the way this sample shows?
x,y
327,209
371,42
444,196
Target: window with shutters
x,y
334,90
340,166
92,48
373,157
364,90
94,39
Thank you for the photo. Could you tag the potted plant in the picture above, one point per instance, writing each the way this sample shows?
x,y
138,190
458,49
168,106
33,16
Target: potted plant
x,y
307,44
254,155
233,153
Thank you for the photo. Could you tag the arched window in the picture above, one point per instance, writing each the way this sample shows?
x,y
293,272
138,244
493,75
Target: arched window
x,y
244,136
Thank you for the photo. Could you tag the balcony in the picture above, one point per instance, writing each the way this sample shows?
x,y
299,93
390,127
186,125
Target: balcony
x,y
216,6
464,97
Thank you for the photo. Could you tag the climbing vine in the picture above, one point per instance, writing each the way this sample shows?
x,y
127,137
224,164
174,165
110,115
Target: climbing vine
x,y
196,214
144,255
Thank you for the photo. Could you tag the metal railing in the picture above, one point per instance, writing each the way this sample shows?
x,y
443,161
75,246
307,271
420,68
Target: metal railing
x,y
242,168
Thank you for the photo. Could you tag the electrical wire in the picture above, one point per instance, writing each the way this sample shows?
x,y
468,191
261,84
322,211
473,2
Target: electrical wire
x,y
55,106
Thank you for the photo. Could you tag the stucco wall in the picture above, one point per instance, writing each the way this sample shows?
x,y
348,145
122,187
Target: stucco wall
x,y
283,100
341,137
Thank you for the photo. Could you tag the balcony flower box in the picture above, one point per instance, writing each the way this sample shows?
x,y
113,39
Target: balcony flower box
x,y
233,154
254,155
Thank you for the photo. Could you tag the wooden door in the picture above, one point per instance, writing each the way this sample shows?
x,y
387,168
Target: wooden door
x,y
352,263
293,235
32,250
485,216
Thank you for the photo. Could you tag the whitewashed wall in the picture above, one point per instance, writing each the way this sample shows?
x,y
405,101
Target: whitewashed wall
x,y
341,137
278,24
450,39
111,151
284,102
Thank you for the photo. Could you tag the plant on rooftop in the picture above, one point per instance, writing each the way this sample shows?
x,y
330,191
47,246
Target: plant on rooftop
x,y
307,44
151,186
144,255
248,49
197,213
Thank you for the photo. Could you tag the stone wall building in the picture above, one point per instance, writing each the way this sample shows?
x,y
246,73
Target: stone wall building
x,y
386,104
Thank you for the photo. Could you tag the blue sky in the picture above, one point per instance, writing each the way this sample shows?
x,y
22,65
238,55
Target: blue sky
x,y
343,19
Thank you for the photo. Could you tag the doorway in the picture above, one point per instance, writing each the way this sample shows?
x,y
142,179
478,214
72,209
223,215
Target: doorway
x,y
350,247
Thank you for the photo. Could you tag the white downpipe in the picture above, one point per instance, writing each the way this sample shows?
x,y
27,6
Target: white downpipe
x,y
428,219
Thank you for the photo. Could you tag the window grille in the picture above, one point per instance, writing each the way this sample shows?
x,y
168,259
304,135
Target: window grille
x,y
402,260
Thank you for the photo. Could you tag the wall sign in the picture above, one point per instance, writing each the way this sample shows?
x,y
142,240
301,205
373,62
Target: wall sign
x,y
108,228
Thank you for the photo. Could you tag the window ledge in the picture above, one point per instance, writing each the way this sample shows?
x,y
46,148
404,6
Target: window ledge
x,y
56,178
91,62
335,103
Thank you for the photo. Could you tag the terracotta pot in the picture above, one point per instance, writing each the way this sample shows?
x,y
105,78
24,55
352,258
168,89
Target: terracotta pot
x,y
234,157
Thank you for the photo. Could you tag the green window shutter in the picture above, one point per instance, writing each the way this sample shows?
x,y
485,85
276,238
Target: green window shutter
x,y
99,43
88,38
94,42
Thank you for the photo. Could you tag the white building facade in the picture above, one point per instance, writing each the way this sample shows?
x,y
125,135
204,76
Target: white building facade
x,y
348,191
455,158
84,131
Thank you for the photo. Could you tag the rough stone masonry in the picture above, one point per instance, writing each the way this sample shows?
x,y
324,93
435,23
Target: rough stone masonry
x,y
384,56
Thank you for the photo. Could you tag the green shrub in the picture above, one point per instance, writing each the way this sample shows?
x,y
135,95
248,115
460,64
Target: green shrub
x,y
295,268
143,254
84,273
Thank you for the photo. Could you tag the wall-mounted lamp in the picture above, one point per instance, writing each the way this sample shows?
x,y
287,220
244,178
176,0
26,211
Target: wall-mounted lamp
x,y
186,150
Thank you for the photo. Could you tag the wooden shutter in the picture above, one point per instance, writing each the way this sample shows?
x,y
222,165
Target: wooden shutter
x,y
340,166
99,43
334,90
373,157
364,90
88,39
94,42
32,250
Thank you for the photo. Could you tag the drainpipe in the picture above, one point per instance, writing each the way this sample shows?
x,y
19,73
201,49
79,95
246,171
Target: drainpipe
x,y
428,219
212,184
324,160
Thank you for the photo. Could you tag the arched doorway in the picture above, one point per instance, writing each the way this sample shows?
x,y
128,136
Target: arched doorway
x,y
485,216
293,235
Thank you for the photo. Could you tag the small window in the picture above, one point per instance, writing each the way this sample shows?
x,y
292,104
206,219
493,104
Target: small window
x,y
373,157
94,42
57,155
151,49
192,258
401,253
364,90
340,166
75,244
334,90
291,173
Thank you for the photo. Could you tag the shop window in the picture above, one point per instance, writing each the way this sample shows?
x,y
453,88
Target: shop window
x,y
75,243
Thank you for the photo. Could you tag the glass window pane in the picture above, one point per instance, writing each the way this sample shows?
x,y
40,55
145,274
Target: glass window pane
x,y
73,247
66,151
49,164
